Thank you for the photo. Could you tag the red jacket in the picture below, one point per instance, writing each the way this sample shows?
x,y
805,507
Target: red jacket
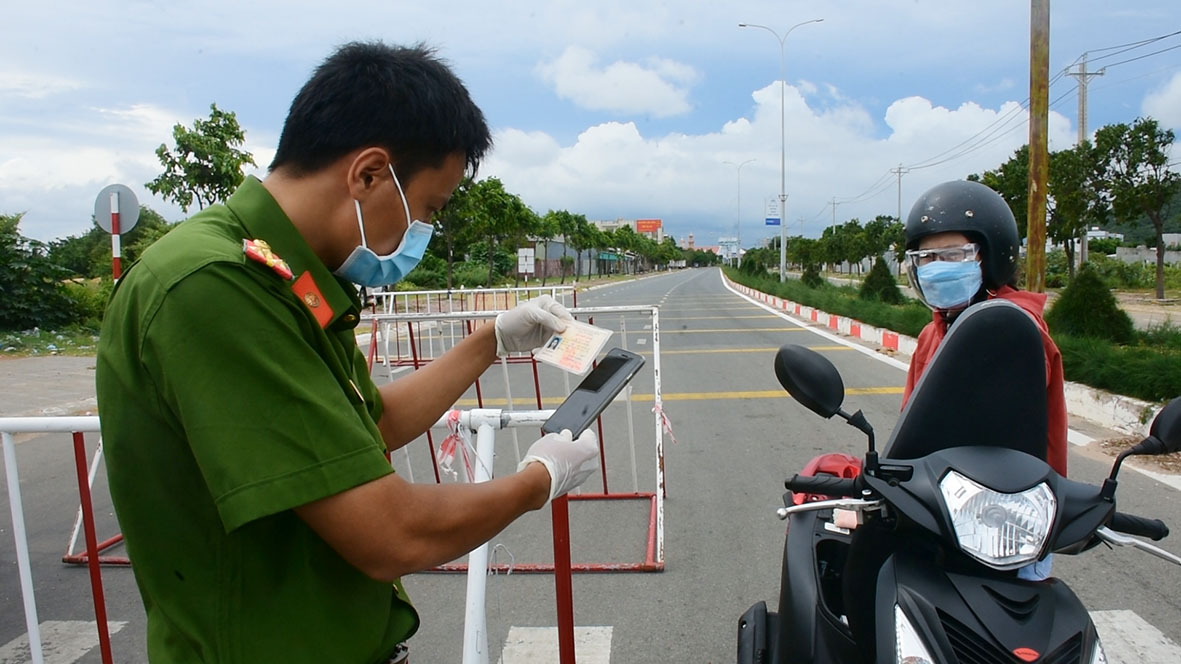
x,y
932,335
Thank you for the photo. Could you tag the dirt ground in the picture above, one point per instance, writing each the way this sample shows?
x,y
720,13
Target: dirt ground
x,y
1168,463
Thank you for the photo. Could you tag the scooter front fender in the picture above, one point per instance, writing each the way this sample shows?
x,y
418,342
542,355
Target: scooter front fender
x,y
986,617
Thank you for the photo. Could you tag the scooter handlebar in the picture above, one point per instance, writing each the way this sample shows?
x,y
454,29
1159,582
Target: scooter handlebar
x,y
825,485
1153,529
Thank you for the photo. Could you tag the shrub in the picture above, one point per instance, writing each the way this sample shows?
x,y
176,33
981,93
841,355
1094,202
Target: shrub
x,y
470,274
1102,246
1144,373
430,274
1057,269
33,295
879,284
1086,308
89,299
811,277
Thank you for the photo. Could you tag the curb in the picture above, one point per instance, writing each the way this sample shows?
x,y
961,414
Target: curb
x,y
1111,411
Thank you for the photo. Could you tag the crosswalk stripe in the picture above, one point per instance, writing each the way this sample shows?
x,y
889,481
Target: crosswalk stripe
x,y
62,641
539,645
1129,639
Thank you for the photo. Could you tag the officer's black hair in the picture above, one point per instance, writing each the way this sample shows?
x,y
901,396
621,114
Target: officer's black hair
x,y
403,99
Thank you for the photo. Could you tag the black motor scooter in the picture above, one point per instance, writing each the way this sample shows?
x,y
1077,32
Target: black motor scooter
x,y
914,560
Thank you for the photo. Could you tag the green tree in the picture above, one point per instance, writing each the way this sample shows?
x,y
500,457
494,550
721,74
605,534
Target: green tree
x,y
548,226
206,164
453,225
1074,198
568,228
495,217
580,240
1135,161
626,240
1011,181
32,285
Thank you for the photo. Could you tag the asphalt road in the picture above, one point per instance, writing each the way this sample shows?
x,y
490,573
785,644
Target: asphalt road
x,y
738,436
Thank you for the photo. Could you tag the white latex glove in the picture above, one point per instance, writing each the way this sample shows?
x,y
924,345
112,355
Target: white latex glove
x,y
529,324
568,461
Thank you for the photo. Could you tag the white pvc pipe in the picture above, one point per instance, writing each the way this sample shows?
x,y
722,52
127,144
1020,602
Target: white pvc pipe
x,y
659,410
475,621
631,428
22,545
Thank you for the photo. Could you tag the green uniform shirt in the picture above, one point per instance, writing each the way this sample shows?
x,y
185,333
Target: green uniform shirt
x,y
227,398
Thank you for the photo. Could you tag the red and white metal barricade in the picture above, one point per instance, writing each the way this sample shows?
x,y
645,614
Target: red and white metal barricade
x,y
420,325
77,426
446,301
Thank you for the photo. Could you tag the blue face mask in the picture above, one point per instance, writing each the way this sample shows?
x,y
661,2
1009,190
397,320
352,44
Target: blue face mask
x,y
365,268
948,285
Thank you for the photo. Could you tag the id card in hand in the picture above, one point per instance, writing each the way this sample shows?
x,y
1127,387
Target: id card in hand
x,y
575,348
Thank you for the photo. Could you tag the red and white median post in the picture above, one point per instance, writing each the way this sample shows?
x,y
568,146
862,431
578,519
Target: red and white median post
x,y
115,211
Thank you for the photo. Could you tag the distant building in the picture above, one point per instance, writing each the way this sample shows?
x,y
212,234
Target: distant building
x,y
653,228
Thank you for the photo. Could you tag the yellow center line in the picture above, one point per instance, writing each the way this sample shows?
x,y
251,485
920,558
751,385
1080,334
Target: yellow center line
x,y
683,396
664,318
706,351
740,329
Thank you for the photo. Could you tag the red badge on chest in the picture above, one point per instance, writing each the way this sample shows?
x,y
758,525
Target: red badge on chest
x,y
309,293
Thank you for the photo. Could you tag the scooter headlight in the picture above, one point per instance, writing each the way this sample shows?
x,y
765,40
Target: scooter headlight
x,y
908,645
1001,530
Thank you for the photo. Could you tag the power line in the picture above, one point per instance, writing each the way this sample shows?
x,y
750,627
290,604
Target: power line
x,y
1005,122
1146,55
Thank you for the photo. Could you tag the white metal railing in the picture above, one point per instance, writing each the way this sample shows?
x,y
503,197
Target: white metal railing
x,y
456,300
74,425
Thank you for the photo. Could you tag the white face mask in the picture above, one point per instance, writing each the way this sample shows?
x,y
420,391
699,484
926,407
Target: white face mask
x,y
365,268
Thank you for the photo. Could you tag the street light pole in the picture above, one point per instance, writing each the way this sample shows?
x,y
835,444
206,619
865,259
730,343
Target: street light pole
x,y
738,219
782,139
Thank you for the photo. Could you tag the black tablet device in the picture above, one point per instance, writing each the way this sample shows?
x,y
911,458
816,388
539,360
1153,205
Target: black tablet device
x,y
595,392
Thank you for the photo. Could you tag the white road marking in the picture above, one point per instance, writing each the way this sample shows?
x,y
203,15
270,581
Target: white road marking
x,y
539,645
62,641
1078,438
1129,639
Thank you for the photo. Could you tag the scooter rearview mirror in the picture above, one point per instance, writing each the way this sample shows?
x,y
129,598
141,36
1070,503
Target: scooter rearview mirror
x,y
1166,427
810,379
1164,436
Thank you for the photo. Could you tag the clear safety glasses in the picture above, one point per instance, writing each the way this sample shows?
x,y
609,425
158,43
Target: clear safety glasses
x,y
968,252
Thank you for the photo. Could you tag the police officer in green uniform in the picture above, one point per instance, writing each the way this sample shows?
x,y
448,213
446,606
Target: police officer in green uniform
x,y
246,443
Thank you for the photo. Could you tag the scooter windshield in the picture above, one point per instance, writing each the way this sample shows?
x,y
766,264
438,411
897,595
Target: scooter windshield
x,y
985,386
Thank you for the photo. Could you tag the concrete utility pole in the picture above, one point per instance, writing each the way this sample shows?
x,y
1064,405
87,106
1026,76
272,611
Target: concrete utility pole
x,y
1083,77
900,171
1039,153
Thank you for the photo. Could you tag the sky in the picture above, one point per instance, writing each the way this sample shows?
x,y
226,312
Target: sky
x,y
612,109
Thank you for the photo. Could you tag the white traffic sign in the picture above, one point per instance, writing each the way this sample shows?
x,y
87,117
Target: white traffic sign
x,y
525,262
126,206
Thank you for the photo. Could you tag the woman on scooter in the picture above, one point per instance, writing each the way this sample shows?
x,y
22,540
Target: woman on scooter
x,y
962,248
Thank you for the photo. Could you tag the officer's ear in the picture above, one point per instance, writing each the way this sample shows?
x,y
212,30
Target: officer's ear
x,y
366,170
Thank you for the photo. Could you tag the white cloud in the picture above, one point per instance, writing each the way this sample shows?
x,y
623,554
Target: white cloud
x,y
659,87
612,169
1164,103
54,173
34,86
